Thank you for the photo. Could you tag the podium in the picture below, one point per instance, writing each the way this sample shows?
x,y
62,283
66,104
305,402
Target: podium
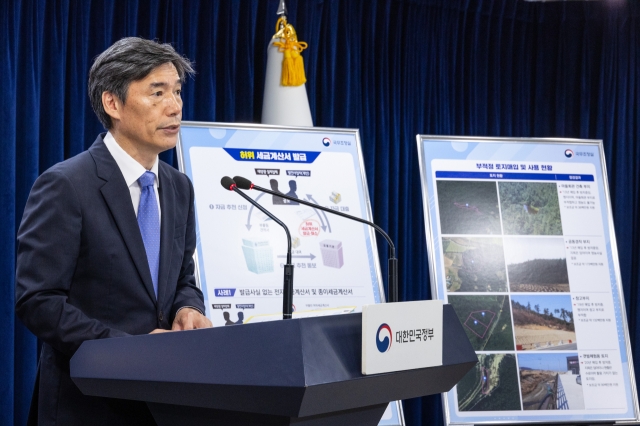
x,y
303,372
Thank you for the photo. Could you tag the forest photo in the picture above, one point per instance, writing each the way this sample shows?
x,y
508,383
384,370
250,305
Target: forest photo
x,y
474,264
536,264
530,208
468,207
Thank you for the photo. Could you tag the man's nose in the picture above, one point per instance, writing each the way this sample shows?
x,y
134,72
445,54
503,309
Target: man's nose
x,y
174,105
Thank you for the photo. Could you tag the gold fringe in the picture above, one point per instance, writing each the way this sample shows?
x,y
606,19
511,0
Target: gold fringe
x,y
292,63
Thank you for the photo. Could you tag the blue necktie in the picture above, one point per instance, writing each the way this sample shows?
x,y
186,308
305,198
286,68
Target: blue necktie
x,y
149,222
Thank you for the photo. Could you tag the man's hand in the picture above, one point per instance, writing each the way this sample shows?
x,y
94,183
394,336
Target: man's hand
x,y
190,319
159,330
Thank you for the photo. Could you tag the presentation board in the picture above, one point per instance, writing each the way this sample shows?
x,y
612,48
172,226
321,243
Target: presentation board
x,y
521,243
240,252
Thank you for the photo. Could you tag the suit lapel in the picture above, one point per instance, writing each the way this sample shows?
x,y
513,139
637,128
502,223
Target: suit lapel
x,y
118,199
167,226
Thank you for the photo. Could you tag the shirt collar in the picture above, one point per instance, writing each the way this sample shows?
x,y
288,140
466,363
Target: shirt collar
x,y
130,168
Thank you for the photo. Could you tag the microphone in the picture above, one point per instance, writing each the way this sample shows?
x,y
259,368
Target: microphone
x,y
244,183
287,290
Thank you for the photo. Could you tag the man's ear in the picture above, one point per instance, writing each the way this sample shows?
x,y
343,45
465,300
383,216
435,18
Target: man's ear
x,y
112,105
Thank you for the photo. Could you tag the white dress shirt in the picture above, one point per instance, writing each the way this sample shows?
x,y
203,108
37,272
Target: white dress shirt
x,y
132,170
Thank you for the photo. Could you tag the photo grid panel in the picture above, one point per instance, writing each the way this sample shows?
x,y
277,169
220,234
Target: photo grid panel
x,y
506,275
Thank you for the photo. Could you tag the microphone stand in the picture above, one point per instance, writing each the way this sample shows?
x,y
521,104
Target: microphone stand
x,y
393,262
287,290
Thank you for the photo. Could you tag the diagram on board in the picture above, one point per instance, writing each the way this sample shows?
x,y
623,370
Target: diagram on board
x,y
310,223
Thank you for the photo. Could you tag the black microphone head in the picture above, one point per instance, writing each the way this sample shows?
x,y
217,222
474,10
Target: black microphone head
x,y
242,183
228,183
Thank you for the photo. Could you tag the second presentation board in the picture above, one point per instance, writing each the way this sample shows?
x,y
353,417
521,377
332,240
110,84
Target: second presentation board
x,y
521,243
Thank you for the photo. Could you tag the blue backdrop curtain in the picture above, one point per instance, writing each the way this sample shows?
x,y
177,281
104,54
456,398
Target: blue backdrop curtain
x,y
391,68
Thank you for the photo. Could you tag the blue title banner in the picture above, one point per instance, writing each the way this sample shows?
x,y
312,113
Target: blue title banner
x,y
514,176
275,156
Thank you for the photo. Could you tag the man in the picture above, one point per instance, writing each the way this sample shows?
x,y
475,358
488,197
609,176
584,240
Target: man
x,y
106,241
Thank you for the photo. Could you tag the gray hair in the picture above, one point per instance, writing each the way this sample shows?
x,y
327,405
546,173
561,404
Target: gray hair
x,y
127,60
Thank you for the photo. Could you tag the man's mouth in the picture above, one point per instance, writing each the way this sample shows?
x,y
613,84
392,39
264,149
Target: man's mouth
x,y
174,128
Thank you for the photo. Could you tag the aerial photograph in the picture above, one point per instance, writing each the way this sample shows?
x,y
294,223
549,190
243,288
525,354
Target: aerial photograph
x,y
468,207
486,320
536,264
551,381
530,208
491,385
474,264
543,322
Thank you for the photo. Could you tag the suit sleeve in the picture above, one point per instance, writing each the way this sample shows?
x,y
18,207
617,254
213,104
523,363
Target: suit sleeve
x,y
48,246
187,293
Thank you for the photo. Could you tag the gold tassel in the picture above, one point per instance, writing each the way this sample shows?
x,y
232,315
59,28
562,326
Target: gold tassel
x,y
292,63
298,66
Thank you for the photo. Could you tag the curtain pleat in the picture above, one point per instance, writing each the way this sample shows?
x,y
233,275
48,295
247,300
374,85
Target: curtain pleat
x,y
392,68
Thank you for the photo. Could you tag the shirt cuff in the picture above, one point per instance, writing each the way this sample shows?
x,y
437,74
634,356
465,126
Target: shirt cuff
x,y
192,307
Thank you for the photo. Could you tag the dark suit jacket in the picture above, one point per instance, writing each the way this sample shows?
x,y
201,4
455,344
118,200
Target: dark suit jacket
x,y
82,274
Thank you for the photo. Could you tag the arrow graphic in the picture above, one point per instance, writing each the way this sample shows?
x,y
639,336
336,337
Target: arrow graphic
x,y
309,256
310,198
248,225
